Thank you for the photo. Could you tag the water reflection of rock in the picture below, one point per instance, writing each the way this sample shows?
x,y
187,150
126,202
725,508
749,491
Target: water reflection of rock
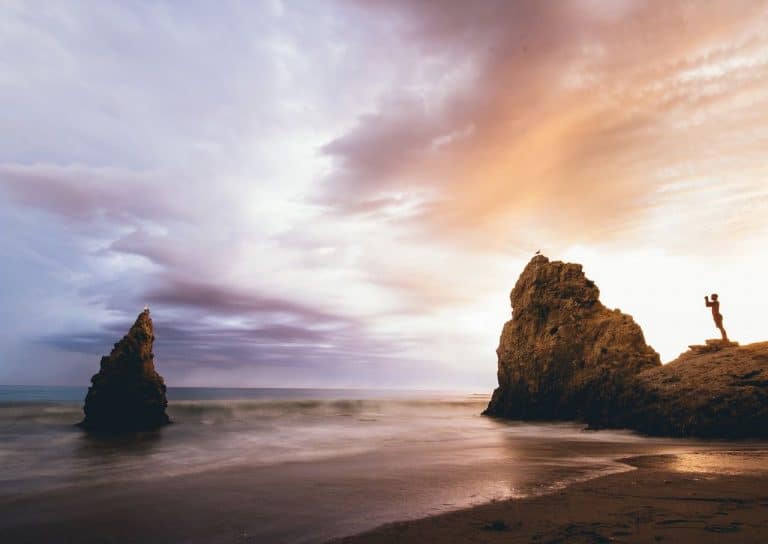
x,y
104,446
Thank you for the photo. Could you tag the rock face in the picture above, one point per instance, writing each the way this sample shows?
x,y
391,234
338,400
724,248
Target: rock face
x,y
713,344
127,394
564,355
705,392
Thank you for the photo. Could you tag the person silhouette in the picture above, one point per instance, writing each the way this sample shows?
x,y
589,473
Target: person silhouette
x,y
716,315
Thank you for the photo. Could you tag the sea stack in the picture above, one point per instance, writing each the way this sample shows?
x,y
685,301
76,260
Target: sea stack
x,y
127,394
564,355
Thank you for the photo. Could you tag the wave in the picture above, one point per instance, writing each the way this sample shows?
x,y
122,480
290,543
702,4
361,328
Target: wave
x,y
35,412
53,413
39,445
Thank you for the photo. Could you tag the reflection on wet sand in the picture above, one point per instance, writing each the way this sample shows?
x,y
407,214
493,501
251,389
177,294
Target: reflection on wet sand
x,y
730,463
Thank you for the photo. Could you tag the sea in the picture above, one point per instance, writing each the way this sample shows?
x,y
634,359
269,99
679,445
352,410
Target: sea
x,y
283,465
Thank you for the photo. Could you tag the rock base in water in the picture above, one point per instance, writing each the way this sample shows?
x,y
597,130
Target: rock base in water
x,y
127,394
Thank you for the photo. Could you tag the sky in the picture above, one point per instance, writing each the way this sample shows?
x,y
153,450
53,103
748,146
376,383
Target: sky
x,y
343,193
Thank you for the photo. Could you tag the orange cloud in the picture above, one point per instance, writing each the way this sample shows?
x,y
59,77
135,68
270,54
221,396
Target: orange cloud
x,y
574,125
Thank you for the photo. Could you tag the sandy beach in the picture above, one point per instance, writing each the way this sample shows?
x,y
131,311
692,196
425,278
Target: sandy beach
x,y
710,497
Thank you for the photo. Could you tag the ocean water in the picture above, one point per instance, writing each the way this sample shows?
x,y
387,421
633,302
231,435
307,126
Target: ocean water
x,y
286,465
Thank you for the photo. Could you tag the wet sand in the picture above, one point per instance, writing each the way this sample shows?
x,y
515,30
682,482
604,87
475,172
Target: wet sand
x,y
710,497
290,503
700,497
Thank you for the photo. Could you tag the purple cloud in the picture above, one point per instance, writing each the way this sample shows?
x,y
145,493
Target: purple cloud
x,y
229,301
80,193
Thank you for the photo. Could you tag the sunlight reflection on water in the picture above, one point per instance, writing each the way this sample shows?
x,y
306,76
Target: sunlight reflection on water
x,y
729,463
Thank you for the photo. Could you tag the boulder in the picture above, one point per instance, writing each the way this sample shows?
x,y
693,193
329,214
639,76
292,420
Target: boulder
x,y
127,394
564,355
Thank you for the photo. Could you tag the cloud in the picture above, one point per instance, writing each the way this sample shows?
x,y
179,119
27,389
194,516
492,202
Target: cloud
x,y
221,300
567,121
82,193
187,346
344,194
152,154
179,339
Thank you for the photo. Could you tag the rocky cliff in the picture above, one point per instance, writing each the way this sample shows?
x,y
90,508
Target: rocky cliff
x,y
564,355
127,393
712,391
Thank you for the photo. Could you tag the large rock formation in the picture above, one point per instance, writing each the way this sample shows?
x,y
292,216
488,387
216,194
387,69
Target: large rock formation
x,y
564,355
708,391
127,394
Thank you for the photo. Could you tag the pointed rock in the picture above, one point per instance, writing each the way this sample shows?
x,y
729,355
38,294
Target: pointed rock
x,y
127,394
564,355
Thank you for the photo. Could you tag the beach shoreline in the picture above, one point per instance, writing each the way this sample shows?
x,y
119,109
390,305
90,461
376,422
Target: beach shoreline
x,y
306,467
717,495
697,497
